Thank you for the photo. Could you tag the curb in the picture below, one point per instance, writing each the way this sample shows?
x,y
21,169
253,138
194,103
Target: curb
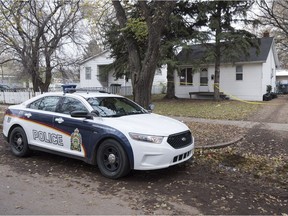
x,y
220,145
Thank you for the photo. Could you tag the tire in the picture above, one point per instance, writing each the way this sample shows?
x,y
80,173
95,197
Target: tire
x,y
112,160
18,142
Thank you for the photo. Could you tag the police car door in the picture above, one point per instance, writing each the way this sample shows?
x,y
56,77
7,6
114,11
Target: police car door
x,y
39,123
76,131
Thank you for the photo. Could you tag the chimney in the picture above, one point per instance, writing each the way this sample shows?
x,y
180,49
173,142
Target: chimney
x,y
266,34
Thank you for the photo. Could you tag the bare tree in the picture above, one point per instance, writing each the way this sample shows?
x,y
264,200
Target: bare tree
x,y
33,32
155,15
274,15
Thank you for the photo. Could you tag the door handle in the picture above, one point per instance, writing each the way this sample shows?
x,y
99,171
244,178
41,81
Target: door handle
x,y
28,115
59,120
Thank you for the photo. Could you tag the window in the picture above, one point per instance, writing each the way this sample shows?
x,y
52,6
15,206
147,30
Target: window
x,y
88,73
114,106
71,104
103,74
186,76
239,72
48,103
204,77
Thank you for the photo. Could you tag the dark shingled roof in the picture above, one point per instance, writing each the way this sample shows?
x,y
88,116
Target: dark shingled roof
x,y
197,52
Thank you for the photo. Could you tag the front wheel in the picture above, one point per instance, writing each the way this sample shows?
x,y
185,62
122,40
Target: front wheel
x,y
18,142
112,159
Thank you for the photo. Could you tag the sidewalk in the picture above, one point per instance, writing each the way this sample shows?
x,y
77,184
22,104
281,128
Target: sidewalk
x,y
243,124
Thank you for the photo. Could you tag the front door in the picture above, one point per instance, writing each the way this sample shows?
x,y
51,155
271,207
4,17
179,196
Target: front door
x,y
77,132
204,80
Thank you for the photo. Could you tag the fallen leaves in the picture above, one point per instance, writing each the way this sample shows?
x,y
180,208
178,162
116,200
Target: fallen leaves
x,y
272,169
211,134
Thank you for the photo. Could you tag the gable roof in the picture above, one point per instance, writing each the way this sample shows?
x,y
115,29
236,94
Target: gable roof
x,y
198,51
92,57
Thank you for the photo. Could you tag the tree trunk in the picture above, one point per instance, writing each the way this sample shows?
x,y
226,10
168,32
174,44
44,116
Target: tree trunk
x,y
216,81
217,70
170,94
143,71
217,56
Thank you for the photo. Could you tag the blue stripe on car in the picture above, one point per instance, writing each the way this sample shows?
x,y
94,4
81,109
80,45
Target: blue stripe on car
x,y
92,133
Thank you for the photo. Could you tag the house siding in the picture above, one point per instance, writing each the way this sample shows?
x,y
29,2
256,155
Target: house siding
x,y
247,89
104,59
250,88
93,63
269,73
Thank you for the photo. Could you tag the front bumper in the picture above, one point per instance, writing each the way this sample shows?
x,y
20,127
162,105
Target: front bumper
x,y
149,156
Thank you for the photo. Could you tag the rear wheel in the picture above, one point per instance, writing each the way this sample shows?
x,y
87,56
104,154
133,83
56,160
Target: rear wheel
x,y
112,159
18,142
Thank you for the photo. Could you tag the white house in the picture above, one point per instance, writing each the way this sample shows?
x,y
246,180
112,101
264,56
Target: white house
x,y
91,76
282,76
246,78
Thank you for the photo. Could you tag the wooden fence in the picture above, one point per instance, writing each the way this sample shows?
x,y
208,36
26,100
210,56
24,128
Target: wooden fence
x,y
21,95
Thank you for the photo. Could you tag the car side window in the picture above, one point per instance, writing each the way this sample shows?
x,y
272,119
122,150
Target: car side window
x,y
48,103
69,105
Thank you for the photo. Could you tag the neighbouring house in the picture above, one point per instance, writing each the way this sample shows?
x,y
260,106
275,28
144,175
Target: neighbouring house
x,y
246,78
11,76
282,81
91,75
282,76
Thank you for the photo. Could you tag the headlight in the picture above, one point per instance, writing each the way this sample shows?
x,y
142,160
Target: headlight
x,y
146,138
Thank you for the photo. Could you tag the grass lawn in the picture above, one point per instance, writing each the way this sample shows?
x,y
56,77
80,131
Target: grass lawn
x,y
208,109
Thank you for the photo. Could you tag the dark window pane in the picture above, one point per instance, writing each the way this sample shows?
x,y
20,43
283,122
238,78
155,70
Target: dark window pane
x,y
239,76
71,104
47,103
189,76
35,104
183,77
203,81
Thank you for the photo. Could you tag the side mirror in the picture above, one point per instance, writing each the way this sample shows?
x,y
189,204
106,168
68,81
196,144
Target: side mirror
x,y
151,107
81,114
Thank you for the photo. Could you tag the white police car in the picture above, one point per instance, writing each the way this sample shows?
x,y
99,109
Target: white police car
x,y
99,128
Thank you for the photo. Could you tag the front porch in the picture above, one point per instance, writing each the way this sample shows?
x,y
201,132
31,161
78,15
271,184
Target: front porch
x,y
207,94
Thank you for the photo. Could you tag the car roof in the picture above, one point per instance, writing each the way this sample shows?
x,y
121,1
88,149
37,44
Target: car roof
x,y
83,94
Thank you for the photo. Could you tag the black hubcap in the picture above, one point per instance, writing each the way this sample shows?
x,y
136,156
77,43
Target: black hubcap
x,y
111,159
18,142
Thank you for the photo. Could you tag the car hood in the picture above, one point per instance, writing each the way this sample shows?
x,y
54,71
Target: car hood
x,y
151,124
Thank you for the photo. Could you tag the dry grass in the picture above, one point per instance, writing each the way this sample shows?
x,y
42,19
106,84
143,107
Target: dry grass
x,y
208,109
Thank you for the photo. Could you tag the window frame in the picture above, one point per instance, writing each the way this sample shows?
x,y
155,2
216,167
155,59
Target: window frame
x,y
41,100
186,81
88,73
58,110
202,77
239,72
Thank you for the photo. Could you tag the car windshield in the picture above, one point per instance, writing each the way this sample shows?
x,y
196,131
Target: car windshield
x,y
115,106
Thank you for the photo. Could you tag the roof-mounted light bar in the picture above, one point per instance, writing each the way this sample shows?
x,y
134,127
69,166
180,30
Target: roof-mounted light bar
x,y
69,88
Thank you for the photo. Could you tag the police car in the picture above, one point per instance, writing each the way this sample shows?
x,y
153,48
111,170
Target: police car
x,y
102,129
